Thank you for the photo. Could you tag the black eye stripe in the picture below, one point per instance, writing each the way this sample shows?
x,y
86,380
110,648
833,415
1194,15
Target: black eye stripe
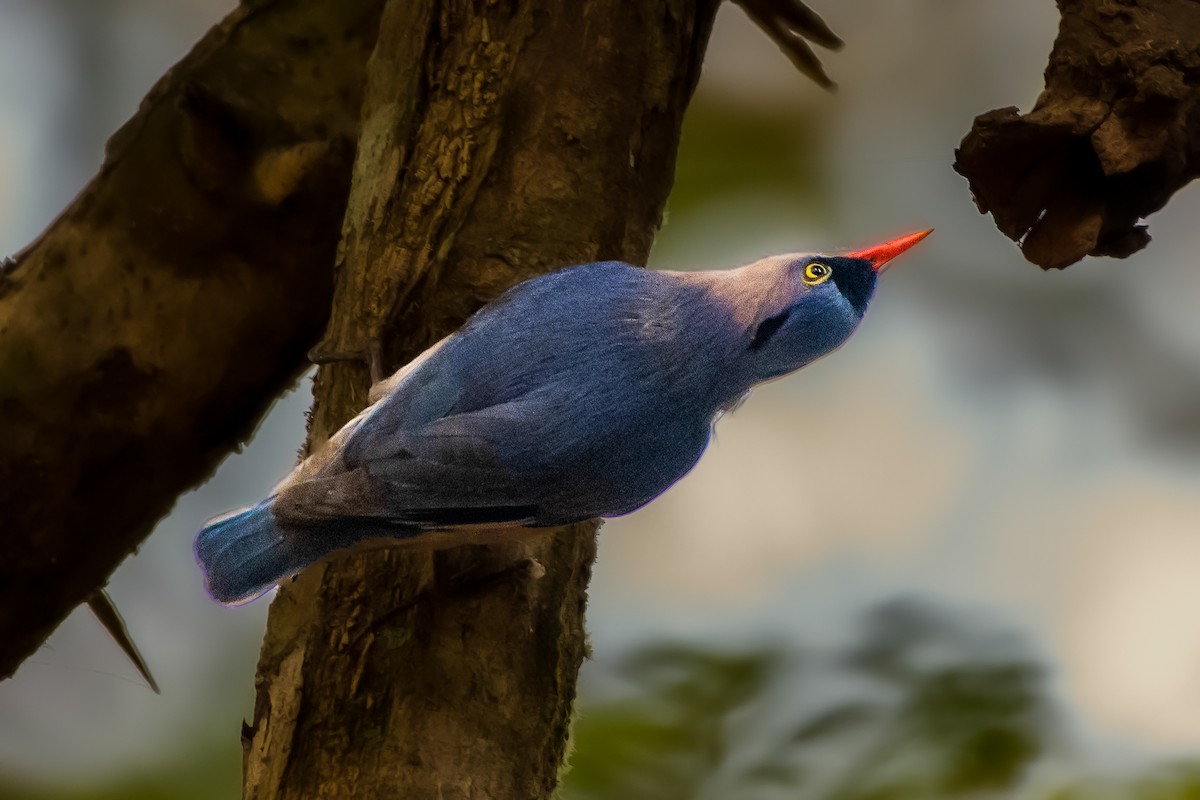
x,y
855,279
767,328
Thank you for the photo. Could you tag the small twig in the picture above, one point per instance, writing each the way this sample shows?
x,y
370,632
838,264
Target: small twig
x,y
106,612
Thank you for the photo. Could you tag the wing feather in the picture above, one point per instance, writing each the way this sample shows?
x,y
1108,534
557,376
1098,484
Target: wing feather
x,y
447,473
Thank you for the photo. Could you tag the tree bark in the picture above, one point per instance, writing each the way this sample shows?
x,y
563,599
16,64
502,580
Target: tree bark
x,y
1115,134
499,140
144,334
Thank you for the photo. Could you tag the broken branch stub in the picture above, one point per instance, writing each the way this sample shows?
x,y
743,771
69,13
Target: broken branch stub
x,y
1110,140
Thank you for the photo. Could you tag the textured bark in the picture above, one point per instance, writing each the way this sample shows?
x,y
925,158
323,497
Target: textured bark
x,y
1113,136
499,140
144,334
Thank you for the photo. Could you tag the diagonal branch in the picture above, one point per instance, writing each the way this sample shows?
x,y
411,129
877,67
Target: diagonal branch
x,y
144,334
792,25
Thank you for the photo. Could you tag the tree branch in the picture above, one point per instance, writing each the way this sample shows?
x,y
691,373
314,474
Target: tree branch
x,y
1113,136
144,334
791,25
499,140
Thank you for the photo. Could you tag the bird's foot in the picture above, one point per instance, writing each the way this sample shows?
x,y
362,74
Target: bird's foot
x,y
482,576
372,356
475,580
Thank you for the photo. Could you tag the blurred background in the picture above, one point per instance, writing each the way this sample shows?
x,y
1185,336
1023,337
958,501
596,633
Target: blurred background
x,y
961,557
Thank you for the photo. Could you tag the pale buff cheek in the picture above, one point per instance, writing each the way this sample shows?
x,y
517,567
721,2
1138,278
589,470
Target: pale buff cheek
x,y
751,293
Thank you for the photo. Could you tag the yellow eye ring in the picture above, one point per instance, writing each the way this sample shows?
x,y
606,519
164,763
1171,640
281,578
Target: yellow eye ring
x,y
816,273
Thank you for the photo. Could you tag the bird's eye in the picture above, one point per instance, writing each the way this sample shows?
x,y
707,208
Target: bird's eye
x,y
816,273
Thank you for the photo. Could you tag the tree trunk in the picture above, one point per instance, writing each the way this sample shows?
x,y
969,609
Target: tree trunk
x,y
499,140
144,334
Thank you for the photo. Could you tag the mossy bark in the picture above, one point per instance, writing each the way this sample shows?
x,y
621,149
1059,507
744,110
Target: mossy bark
x,y
145,333
500,140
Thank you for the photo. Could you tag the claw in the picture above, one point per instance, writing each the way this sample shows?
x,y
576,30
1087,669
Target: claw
x,y
372,356
375,361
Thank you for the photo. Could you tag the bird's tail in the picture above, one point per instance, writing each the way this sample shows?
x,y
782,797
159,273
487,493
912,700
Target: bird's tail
x,y
244,554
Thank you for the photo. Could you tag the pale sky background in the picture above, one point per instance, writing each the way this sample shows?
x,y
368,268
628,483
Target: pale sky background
x,y
1020,446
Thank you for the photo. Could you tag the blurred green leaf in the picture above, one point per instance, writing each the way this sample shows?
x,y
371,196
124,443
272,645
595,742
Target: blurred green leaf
x,y
1178,782
836,720
678,735
986,722
944,711
210,771
773,772
707,683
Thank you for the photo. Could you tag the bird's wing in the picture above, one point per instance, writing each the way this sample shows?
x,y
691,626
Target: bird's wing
x,y
477,429
453,471
394,402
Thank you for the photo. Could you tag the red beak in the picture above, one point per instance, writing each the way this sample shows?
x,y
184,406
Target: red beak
x,y
881,254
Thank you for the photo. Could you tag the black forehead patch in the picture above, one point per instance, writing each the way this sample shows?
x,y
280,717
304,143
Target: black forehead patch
x,y
855,279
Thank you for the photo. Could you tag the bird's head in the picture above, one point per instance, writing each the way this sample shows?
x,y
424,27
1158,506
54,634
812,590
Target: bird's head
x,y
796,308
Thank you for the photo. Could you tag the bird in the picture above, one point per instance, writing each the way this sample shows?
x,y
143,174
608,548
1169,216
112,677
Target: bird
x,y
581,393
